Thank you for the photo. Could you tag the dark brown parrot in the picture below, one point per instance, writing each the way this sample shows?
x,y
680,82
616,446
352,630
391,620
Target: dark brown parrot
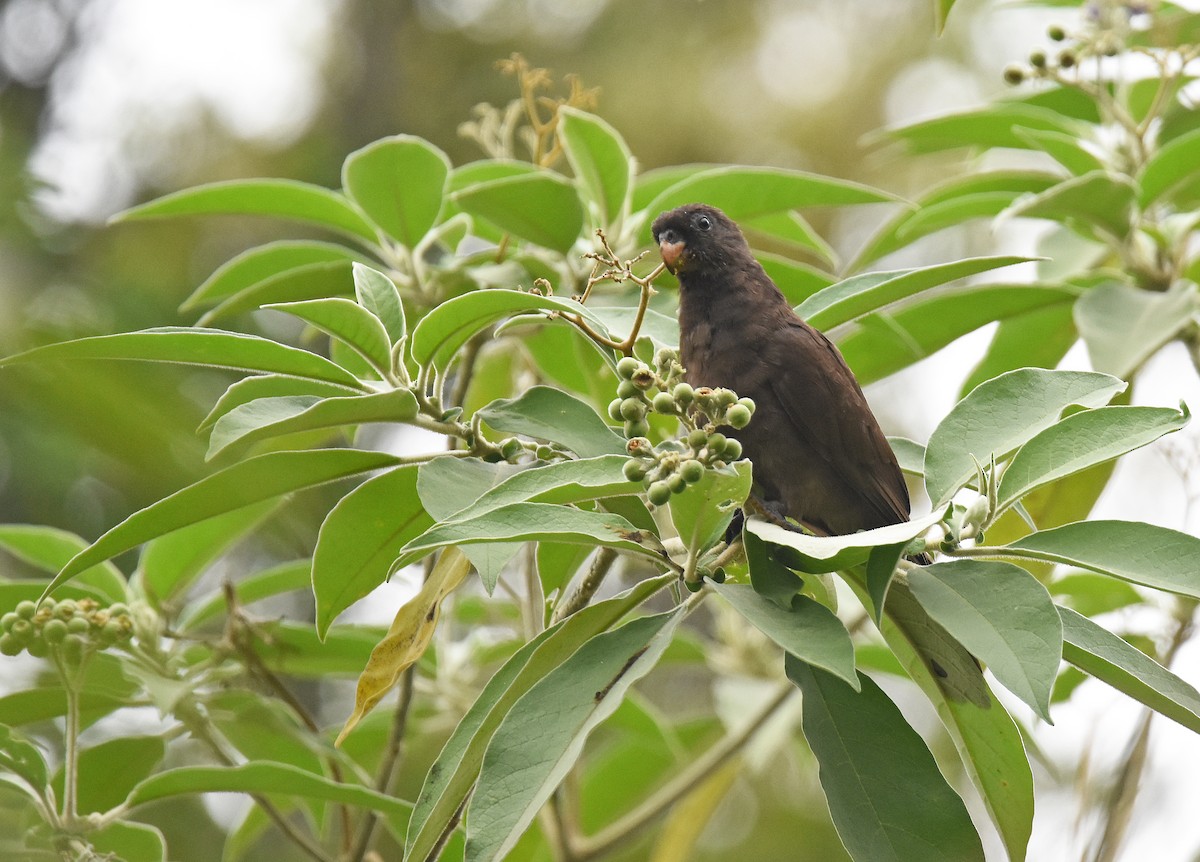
x,y
819,455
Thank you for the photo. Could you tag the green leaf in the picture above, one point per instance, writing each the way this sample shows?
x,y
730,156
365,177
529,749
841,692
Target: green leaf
x,y
1065,149
523,522
1102,654
284,578
817,554
1133,551
1037,338
378,294
790,233
1123,326
1169,169
540,207
208,347
769,577
170,564
360,539
264,418
910,454
268,778
22,758
111,769
807,629
1082,440
797,281
551,414
310,281
1001,414
349,322
745,193
243,484
543,735
1091,594
990,127
49,549
885,342
271,386
1099,199
398,182
600,159
293,649
941,11
125,839
948,204
450,325
261,263
872,767
702,511
280,198
453,774
1002,615
862,294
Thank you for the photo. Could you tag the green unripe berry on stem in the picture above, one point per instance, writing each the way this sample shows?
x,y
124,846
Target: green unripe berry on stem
x,y
697,438
614,410
54,631
633,409
10,645
6,621
659,493
65,609
72,649
676,483
1013,74
664,402
724,397
1037,59
638,446
643,378
738,416
635,471
1066,59
26,609
78,626
627,366
38,648
684,393
626,389
21,629
716,443
637,428
119,609
691,471
733,450
1056,33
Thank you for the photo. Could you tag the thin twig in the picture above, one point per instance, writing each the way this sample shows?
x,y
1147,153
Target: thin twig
x,y
591,582
387,768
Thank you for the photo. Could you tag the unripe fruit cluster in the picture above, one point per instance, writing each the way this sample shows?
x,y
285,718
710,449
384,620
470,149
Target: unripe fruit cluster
x,y
1041,65
643,390
74,629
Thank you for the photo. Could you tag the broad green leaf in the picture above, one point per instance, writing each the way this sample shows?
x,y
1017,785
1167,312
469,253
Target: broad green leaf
x,y
1098,199
817,554
524,522
208,347
1173,166
1133,551
378,294
294,649
265,729
661,329
862,294
49,549
109,770
557,482
769,577
600,159
1065,149
307,282
797,281
1082,440
125,839
872,766
1123,326
170,564
409,636
746,192
885,342
789,232
951,203
271,386
349,322
360,539
450,325
260,263
1002,615
941,11
551,414
910,454
543,735
807,629
992,126
453,775
1038,338
280,198
236,487
22,758
1091,594
398,182
264,418
1001,414
540,207
267,778
702,511
557,565
284,578
1097,651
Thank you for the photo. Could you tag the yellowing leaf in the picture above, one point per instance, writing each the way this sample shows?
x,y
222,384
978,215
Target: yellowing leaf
x,y
408,637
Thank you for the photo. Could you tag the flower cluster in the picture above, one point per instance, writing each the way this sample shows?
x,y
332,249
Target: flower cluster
x,y
72,629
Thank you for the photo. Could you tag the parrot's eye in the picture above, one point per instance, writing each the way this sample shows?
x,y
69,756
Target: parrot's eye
x,y
704,222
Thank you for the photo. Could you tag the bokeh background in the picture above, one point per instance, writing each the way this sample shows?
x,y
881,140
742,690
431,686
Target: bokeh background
x,y
105,103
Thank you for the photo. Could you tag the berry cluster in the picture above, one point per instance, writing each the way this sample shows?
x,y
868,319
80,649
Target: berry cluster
x,y
1105,42
72,628
671,466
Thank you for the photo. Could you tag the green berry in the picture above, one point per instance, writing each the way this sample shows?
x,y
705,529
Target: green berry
x,y
626,389
113,632
638,446
643,378
716,443
72,648
691,470
54,631
664,402
633,409
38,648
638,428
1037,59
737,416
26,609
635,471
733,450
65,609
627,366
724,397
614,410
1066,59
684,393
676,483
22,630
78,625
10,645
6,621
1056,33
697,438
120,609
511,448
748,403
659,493
1013,74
